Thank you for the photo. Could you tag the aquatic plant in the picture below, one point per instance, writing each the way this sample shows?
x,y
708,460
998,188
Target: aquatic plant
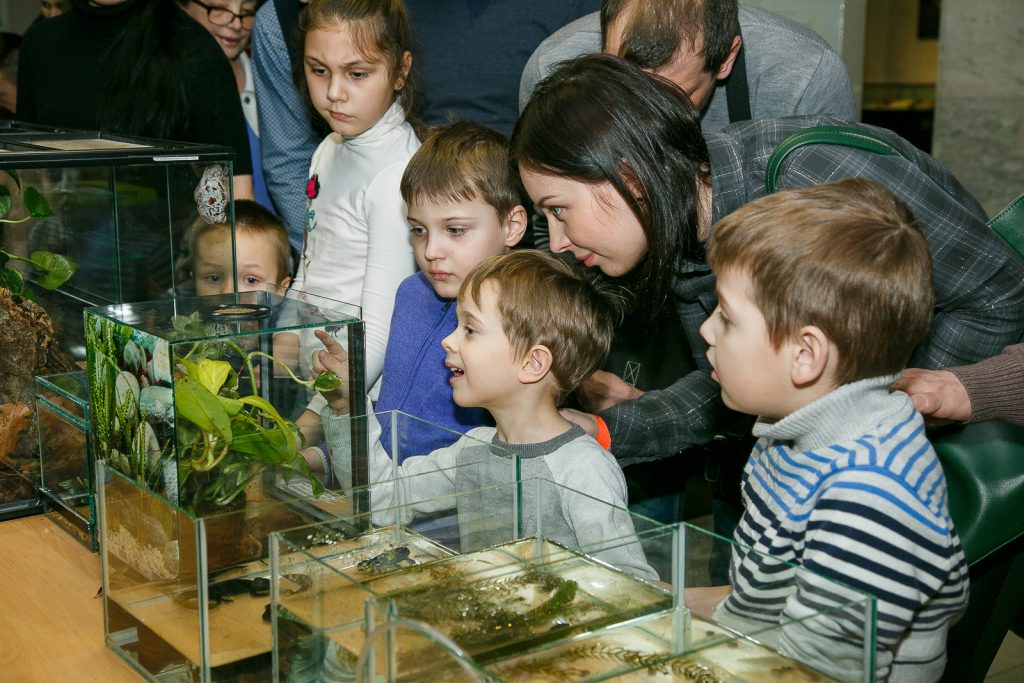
x,y
224,433
53,269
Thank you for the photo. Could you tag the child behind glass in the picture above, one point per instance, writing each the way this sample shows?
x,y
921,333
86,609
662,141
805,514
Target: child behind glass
x,y
261,259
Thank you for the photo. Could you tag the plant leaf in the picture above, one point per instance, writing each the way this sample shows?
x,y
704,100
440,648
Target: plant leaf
x,y
326,381
12,280
56,269
268,446
5,201
36,204
231,406
212,374
200,407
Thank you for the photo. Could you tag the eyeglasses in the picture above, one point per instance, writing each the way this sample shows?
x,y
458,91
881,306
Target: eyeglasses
x,y
222,16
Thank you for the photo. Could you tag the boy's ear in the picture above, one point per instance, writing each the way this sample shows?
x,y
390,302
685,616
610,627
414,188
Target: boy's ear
x,y
812,356
515,226
403,70
535,365
285,283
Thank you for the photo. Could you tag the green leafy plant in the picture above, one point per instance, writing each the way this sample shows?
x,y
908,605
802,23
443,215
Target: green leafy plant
x,y
226,434
54,269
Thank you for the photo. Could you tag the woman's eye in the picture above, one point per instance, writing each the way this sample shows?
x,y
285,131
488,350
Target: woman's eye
x,y
556,211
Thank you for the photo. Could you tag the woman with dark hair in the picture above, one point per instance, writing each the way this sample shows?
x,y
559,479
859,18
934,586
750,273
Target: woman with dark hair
x,y
617,161
134,67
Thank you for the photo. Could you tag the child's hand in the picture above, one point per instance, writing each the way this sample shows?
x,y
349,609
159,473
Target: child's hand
x,y
332,358
703,600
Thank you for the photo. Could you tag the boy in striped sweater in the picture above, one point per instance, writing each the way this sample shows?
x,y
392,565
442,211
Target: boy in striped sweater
x,y
823,292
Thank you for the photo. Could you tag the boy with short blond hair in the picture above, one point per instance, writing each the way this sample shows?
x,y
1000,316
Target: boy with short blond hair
x,y
530,329
261,255
823,294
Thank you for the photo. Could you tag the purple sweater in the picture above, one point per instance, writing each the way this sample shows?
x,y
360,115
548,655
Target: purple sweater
x,y
415,380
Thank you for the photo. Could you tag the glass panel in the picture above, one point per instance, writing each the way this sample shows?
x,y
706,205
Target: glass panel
x,y
159,559
532,609
86,219
65,463
216,387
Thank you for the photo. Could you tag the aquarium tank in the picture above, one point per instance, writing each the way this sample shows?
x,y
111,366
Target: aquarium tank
x,y
86,219
197,399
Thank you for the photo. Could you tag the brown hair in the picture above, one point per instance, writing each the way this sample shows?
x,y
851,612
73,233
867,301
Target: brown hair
x,y
847,257
250,217
543,300
379,28
460,161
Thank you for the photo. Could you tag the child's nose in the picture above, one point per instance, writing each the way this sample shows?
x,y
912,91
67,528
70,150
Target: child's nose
x,y
432,251
705,331
448,343
336,90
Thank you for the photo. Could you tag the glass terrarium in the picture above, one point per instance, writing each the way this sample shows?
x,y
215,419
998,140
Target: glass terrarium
x,y
187,597
65,455
396,604
86,219
198,398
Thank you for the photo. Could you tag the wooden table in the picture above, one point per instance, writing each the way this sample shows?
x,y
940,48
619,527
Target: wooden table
x,y
51,620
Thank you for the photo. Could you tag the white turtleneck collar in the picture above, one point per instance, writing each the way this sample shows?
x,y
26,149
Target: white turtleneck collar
x,y
378,132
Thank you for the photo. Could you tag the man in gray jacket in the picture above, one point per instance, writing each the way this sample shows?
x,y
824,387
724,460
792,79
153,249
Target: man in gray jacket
x,y
737,63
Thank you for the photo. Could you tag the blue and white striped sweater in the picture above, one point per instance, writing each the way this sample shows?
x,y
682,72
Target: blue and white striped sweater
x,y
848,487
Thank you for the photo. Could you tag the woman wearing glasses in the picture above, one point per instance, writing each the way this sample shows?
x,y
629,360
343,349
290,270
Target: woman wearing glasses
x,y
136,67
230,23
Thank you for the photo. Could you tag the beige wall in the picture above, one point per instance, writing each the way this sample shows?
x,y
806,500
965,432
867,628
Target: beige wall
x,y
892,51
979,125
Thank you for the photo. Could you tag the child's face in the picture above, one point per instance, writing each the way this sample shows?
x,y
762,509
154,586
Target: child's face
x,y
349,89
255,257
451,238
755,377
479,355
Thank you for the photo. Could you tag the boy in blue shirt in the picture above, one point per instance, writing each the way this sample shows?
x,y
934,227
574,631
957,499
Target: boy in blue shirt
x,y
823,293
463,201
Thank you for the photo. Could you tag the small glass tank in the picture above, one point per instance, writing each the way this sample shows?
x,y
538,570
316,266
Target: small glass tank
x,y
396,604
86,219
197,398
65,455
187,598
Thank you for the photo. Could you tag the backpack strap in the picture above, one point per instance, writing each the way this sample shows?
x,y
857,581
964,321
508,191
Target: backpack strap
x,y
828,135
1009,224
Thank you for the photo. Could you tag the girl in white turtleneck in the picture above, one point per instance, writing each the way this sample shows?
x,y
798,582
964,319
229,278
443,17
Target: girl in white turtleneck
x,y
357,247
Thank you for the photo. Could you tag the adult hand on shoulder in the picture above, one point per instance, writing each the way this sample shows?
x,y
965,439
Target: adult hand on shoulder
x,y
586,421
937,394
603,390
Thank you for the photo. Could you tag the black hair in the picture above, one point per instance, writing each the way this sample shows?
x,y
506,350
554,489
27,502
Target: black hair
x,y
600,119
658,29
145,94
